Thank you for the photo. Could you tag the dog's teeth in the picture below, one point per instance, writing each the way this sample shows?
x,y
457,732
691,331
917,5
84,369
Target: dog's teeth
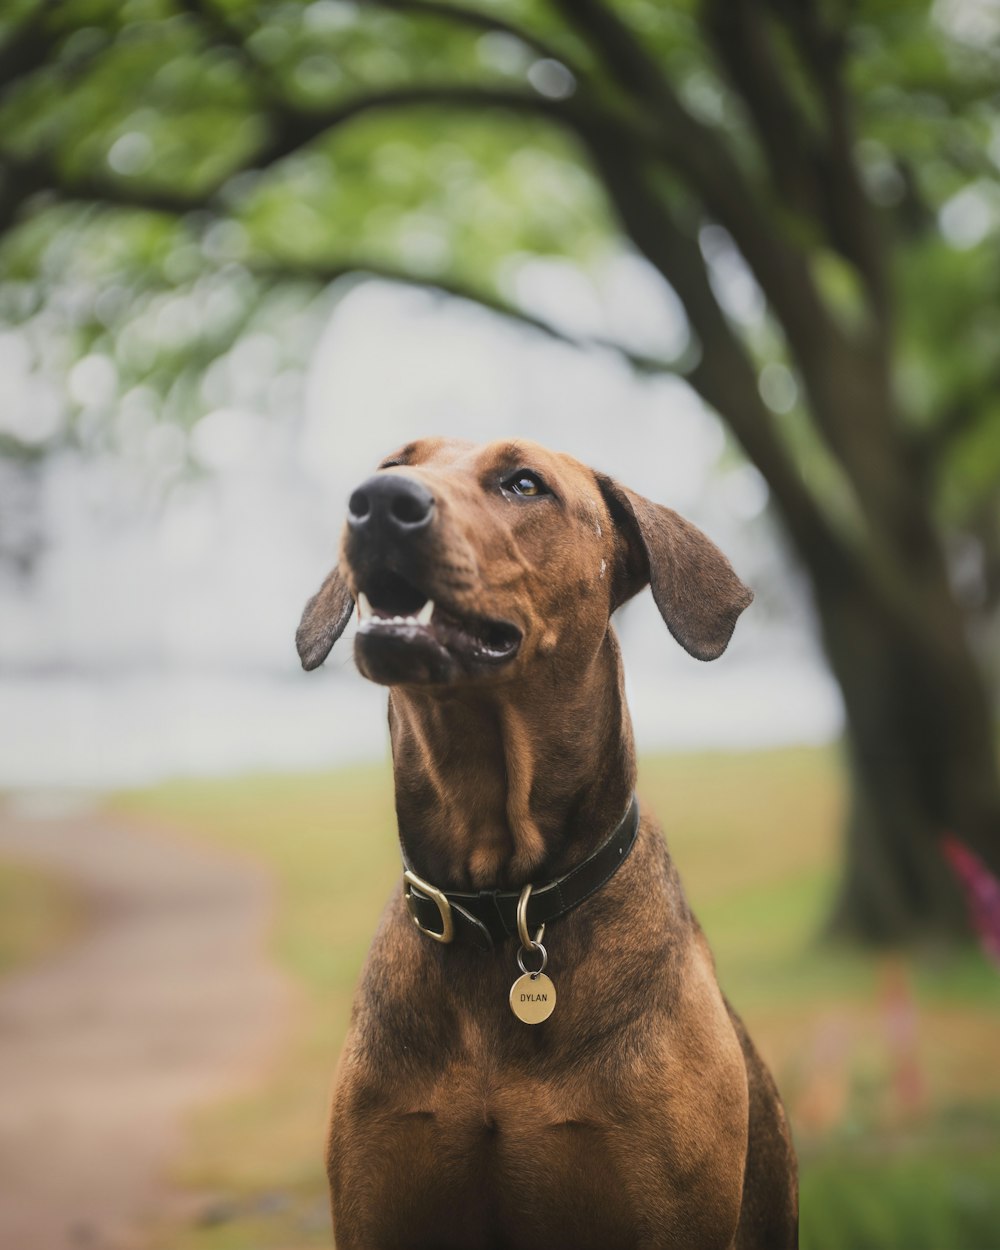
x,y
367,615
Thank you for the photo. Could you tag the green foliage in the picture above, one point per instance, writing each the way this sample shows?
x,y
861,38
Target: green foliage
x,y
858,1199
433,194
192,144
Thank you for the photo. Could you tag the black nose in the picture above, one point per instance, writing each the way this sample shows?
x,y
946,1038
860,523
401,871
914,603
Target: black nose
x,y
392,503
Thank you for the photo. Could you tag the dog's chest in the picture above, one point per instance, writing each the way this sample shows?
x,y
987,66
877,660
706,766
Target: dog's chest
x,y
495,1152
492,1158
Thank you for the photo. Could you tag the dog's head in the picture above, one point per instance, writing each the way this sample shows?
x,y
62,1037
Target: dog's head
x,y
473,563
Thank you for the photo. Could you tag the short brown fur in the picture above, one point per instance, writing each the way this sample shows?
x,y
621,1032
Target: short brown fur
x,y
639,1115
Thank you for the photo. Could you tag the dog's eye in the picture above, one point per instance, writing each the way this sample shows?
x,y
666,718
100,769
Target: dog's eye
x,y
524,482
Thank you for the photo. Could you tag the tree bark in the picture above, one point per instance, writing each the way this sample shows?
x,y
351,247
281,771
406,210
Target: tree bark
x,y
922,760
920,729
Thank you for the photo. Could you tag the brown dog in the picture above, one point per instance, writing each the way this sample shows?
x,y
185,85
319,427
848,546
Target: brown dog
x,y
638,1114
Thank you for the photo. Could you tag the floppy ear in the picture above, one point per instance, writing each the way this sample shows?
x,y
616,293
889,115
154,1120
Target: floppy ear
x,y
695,588
323,621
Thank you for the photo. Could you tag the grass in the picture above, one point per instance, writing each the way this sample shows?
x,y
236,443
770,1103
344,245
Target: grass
x,y
38,913
898,1139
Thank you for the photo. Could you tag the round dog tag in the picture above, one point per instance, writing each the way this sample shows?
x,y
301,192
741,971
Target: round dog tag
x,y
533,998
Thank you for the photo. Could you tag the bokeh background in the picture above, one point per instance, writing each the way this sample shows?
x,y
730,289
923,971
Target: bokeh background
x,y
743,255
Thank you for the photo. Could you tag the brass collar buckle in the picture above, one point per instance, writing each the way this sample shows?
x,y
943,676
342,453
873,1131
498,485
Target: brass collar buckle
x,y
440,900
487,918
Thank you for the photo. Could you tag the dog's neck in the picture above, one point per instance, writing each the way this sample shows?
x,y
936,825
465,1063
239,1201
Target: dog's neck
x,y
514,782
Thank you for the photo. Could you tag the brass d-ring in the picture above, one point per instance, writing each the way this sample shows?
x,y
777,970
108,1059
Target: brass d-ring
x,y
522,921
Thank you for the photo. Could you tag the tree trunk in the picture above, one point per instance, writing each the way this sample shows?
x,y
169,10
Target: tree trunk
x,y
922,760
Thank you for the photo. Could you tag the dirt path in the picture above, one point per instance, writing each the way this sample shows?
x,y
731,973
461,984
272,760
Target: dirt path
x,y
167,1000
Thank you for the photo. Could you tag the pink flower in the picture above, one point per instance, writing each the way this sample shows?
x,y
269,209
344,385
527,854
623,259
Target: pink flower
x,y
982,892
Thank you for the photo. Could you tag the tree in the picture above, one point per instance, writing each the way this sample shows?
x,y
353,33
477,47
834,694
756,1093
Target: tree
x,y
843,156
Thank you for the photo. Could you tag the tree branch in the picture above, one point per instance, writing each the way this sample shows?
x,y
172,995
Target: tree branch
x,y
294,129
478,20
291,130
965,413
327,272
19,181
736,30
724,376
617,47
984,524
699,154
34,46
22,178
29,47
726,379
222,30
844,385
851,220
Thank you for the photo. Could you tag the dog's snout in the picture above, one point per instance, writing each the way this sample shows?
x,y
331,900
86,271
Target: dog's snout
x,y
392,502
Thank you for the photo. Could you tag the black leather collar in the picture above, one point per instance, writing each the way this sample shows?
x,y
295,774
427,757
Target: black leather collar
x,y
485,919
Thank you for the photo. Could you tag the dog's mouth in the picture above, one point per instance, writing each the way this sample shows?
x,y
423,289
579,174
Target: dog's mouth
x,y
394,612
